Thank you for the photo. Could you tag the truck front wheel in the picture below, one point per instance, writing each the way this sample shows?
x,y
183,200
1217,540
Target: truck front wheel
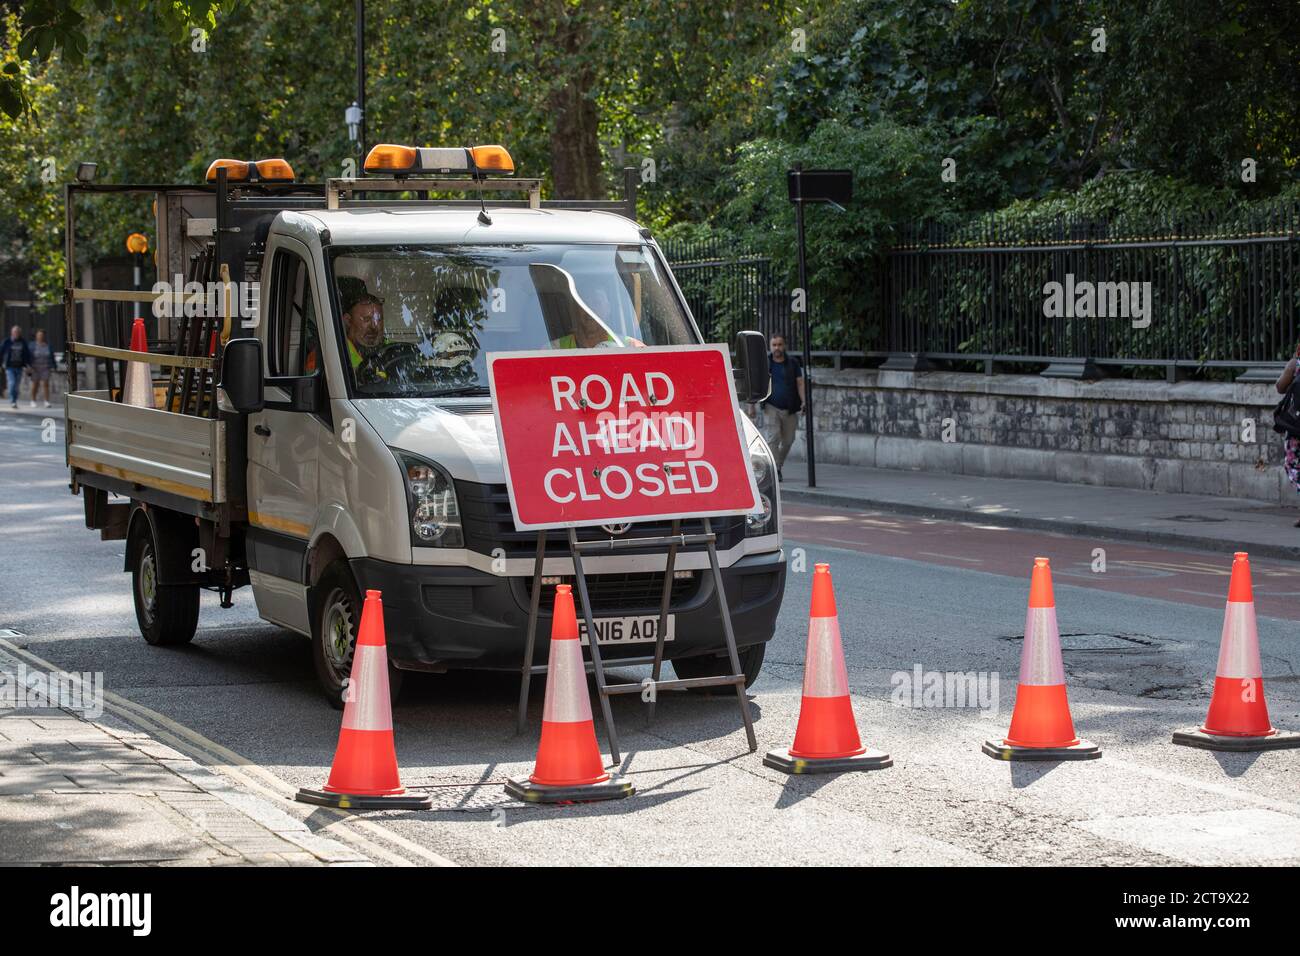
x,y
168,614
335,619
751,662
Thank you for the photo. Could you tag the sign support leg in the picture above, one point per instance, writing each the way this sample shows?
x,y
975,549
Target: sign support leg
x,y
725,610
661,633
593,643
526,672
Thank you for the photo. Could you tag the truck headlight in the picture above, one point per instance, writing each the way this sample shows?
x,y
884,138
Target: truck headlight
x,y
431,502
763,520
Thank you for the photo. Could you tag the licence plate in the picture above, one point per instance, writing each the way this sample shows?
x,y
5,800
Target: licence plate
x,y
626,630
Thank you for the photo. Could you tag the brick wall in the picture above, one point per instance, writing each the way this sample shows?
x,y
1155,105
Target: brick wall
x,y
1182,437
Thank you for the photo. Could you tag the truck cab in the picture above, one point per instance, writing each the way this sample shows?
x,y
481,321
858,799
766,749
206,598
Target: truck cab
x,y
355,404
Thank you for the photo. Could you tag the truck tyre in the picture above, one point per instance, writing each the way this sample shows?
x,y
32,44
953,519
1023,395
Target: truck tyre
x,y
707,665
167,614
335,618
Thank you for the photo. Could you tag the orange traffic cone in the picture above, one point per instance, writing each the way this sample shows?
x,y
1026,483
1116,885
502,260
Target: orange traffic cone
x,y
364,774
138,388
1238,717
1041,728
569,765
826,739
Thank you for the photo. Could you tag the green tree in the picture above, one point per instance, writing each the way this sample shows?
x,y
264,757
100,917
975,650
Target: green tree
x,y
49,27
1052,94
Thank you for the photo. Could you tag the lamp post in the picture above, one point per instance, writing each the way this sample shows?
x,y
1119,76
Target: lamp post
x,y
832,187
356,113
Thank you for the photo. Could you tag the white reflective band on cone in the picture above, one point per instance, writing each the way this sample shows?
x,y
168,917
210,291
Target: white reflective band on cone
x,y
138,390
1040,658
824,672
369,707
566,685
1239,644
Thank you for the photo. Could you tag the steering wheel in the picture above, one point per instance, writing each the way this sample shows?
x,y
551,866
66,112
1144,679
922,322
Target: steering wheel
x,y
388,357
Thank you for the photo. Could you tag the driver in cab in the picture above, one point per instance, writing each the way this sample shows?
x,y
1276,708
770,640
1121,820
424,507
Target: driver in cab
x,y
363,326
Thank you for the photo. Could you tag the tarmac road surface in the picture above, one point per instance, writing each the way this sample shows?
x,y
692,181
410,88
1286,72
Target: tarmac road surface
x,y
1141,642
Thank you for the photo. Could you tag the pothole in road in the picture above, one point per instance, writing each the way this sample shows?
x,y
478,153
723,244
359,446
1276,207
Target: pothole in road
x,y
1204,519
1126,643
1139,665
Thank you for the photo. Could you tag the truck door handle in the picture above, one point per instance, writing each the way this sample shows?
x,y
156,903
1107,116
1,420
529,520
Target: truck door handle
x,y
262,430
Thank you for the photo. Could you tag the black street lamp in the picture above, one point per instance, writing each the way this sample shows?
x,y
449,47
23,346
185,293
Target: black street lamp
x,y
355,114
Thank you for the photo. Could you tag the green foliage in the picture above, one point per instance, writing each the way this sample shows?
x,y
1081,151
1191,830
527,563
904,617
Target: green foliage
x,y
895,180
31,229
47,27
574,90
1180,92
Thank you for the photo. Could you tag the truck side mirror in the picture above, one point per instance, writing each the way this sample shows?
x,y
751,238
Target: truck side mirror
x,y
753,374
304,391
241,375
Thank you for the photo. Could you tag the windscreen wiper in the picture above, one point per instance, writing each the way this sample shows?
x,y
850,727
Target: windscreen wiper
x,y
457,390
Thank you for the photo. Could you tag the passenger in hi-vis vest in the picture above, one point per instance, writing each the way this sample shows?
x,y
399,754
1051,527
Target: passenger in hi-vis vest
x,y
590,330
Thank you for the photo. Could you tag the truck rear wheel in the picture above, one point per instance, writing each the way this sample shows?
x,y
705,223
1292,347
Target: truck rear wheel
x,y
168,614
751,662
335,619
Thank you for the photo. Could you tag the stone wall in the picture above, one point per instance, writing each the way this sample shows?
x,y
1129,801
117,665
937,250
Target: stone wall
x,y
1188,437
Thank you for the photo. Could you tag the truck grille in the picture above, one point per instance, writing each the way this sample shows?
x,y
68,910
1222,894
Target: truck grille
x,y
488,524
634,591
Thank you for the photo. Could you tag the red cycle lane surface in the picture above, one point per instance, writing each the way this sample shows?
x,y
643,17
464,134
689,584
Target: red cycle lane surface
x,y
1186,577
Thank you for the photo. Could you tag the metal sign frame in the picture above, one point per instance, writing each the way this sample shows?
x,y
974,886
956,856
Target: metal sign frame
x,y
672,541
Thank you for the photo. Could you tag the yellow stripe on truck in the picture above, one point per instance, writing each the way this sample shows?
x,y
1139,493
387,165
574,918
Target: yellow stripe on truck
x,y
275,523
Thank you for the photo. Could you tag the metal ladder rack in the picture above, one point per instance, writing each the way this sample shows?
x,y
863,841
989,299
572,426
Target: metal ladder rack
x,y
672,541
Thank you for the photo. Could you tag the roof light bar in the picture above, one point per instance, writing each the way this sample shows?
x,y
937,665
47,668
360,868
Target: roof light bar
x,y
252,170
476,161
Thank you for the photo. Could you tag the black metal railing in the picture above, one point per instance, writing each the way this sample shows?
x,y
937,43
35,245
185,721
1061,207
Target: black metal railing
x,y
1211,292
1206,293
730,291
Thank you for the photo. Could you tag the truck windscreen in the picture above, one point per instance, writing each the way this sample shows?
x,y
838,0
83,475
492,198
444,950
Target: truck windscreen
x,y
421,320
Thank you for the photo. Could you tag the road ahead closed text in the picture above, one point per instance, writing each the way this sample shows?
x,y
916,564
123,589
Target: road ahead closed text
x,y
597,436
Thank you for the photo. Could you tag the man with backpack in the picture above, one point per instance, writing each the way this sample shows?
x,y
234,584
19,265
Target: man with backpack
x,y
785,401
15,355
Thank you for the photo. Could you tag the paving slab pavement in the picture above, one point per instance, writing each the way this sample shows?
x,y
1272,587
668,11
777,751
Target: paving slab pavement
x,y
77,791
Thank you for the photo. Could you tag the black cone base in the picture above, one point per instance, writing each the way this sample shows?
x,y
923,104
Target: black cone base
x,y
870,760
1083,750
1196,737
347,801
521,788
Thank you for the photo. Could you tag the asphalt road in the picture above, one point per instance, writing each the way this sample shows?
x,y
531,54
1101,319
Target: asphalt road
x,y
1141,641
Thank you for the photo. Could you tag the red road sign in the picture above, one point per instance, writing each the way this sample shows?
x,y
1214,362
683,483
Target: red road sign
x,y
598,436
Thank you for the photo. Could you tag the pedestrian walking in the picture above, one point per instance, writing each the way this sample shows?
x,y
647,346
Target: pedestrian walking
x,y
1291,442
15,355
785,401
41,367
